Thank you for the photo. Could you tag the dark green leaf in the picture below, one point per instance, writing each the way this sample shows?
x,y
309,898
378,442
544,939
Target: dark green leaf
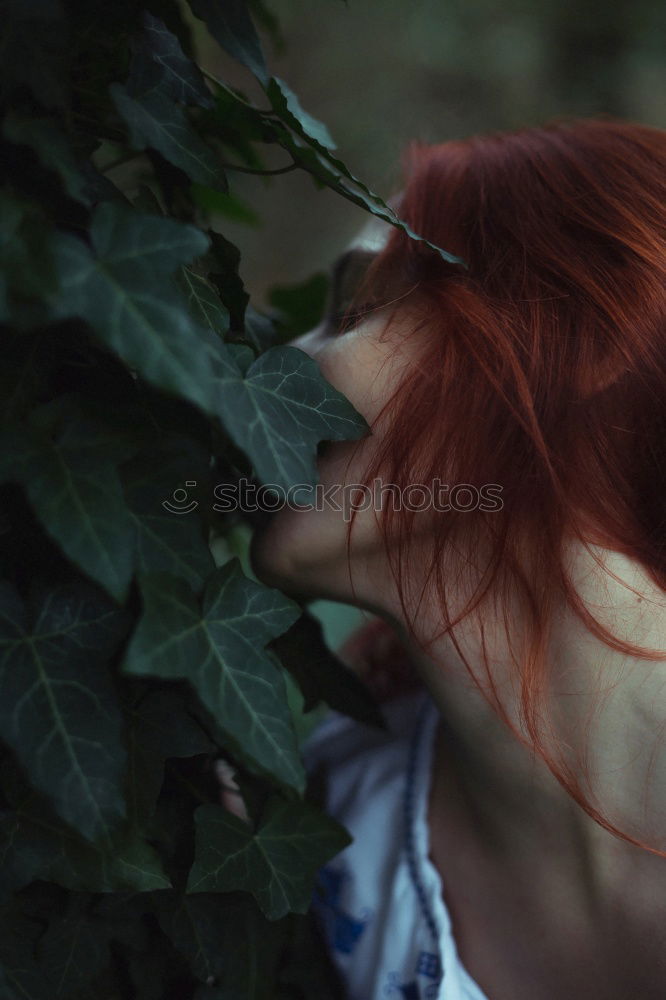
x,y
23,979
36,844
57,705
76,494
159,60
163,490
231,26
73,949
155,121
288,107
280,412
159,726
49,142
324,167
27,267
123,289
277,862
218,647
321,675
205,304
226,937
221,264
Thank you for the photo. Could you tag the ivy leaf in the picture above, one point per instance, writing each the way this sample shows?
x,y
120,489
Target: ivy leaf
x,y
20,976
122,289
226,937
27,267
277,862
205,304
155,121
321,675
231,26
288,107
58,708
170,535
75,491
328,170
50,144
221,263
159,727
159,60
218,646
280,412
36,845
73,949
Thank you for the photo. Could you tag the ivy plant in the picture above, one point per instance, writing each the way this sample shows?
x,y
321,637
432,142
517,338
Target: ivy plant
x,y
133,367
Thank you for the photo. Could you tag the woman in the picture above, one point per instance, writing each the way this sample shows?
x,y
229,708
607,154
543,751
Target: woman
x,y
510,825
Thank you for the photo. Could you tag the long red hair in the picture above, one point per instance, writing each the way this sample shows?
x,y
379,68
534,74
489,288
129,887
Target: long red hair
x,y
542,368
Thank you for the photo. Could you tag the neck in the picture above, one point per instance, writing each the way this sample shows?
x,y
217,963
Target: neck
x,y
606,725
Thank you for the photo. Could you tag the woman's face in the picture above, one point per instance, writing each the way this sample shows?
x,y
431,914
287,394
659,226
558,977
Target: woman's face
x,y
305,550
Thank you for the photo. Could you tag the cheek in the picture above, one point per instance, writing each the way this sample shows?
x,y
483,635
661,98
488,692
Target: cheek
x,y
305,549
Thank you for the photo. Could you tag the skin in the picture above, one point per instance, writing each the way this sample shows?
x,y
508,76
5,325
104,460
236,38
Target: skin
x,y
546,904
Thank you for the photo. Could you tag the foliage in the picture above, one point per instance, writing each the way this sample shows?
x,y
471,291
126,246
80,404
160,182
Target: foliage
x,y
134,367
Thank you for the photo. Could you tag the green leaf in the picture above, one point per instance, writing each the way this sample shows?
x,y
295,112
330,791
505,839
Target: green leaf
x,y
34,845
226,937
20,976
122,289
155,121
221,263
27,267
170,535
288,107
277,862
159,726
159,61
280,412
218,646
328,170
231,26
49,142
75,491
73,949
205,304
321,675
58,708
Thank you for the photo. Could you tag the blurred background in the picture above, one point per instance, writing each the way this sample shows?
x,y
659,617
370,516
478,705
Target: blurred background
x,y
379,73
382,72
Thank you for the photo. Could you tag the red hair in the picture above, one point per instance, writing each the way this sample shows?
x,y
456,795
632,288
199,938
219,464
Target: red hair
x,y
542,368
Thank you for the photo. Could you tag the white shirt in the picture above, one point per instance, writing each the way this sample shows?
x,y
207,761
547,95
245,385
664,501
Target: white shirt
x,y
379,902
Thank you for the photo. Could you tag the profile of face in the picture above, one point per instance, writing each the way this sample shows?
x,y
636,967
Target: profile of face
x,y
305,550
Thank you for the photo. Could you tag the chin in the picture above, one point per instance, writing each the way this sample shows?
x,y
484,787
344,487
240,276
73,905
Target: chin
x,y
294,552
